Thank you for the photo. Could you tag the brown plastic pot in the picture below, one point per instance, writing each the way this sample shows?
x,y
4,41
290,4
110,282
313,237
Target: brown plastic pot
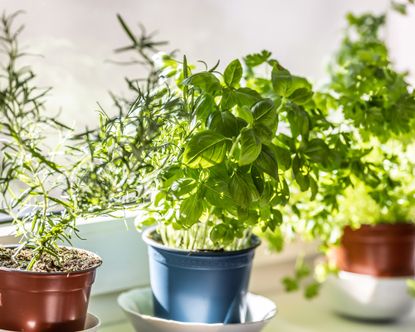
x,y
383,250
44,302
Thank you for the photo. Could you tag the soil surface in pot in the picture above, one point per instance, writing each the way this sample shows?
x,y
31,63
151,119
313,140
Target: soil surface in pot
x,y
70,260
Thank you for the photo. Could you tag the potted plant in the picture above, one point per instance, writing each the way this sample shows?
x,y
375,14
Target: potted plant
x,y
43,286
373,219
226,149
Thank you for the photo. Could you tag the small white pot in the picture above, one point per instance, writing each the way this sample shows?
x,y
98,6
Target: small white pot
x,y
366,297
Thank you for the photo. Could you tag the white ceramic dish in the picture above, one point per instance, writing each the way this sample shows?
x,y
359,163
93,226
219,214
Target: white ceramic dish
x,y
92,324
366,297
138,306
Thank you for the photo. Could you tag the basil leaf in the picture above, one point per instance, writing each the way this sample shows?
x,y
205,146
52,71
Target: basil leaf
x,y
233,73
283,157
205,149
191,210
228,100
317,150
303,180
204,106
204,81
217,193
267,161
300,96
246,97
281,81
299,121
224,123
250,147
265,114
243,190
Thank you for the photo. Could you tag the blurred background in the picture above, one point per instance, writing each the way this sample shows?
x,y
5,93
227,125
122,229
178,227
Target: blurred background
x,y
77,39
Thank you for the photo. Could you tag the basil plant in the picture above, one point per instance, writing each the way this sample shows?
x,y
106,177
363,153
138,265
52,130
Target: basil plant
x,y
239,143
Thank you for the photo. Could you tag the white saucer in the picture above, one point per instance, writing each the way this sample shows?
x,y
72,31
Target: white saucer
x,y
366,297
138,306
92,324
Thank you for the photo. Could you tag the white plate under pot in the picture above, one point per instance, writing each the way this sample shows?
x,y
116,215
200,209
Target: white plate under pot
x,y
367,297
92,324
138,306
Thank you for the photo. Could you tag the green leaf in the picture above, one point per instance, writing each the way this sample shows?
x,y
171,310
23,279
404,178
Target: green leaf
x,y
256,59
205,105
191,210
217,193
233,73
301,96
299,121
258,179
274,221
228,99
302,179
245,114
300,83
246,97
243,190
205,149
283,157
265,114
224,123
290,284
183,186
264,133
222,233
281,81
204,81
250,147
317,150
312,290
267,161
314,188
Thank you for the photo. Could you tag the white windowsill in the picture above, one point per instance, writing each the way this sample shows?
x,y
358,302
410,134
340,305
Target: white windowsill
x,y
125,263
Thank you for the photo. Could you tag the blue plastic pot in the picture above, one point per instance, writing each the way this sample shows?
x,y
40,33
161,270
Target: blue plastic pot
x,y
203,287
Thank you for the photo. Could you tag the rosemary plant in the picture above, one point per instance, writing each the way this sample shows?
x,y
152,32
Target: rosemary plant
x,y
29,170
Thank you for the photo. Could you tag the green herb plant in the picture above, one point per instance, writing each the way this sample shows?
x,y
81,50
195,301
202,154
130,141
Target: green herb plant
x,y
375,104
240,144
46,189
29,170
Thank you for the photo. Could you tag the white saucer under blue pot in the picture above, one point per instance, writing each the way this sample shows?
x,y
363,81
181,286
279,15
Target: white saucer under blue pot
x,y
138,306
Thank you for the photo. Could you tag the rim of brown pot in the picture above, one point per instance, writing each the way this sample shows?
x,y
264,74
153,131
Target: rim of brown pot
x,y
7,269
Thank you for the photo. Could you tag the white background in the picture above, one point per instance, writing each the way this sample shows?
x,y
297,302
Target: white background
x,y
76,37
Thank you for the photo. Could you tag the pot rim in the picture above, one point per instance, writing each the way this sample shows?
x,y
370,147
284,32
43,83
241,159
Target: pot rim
x,y
381,226
7,269
153,243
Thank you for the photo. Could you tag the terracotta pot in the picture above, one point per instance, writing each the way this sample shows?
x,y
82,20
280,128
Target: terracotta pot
x,y
384,250
44,302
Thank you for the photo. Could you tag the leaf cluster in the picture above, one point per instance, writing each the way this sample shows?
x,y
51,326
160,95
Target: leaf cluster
x,y
364,84
243,142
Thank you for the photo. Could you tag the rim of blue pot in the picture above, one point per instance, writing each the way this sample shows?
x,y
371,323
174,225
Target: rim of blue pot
x,y
146,235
